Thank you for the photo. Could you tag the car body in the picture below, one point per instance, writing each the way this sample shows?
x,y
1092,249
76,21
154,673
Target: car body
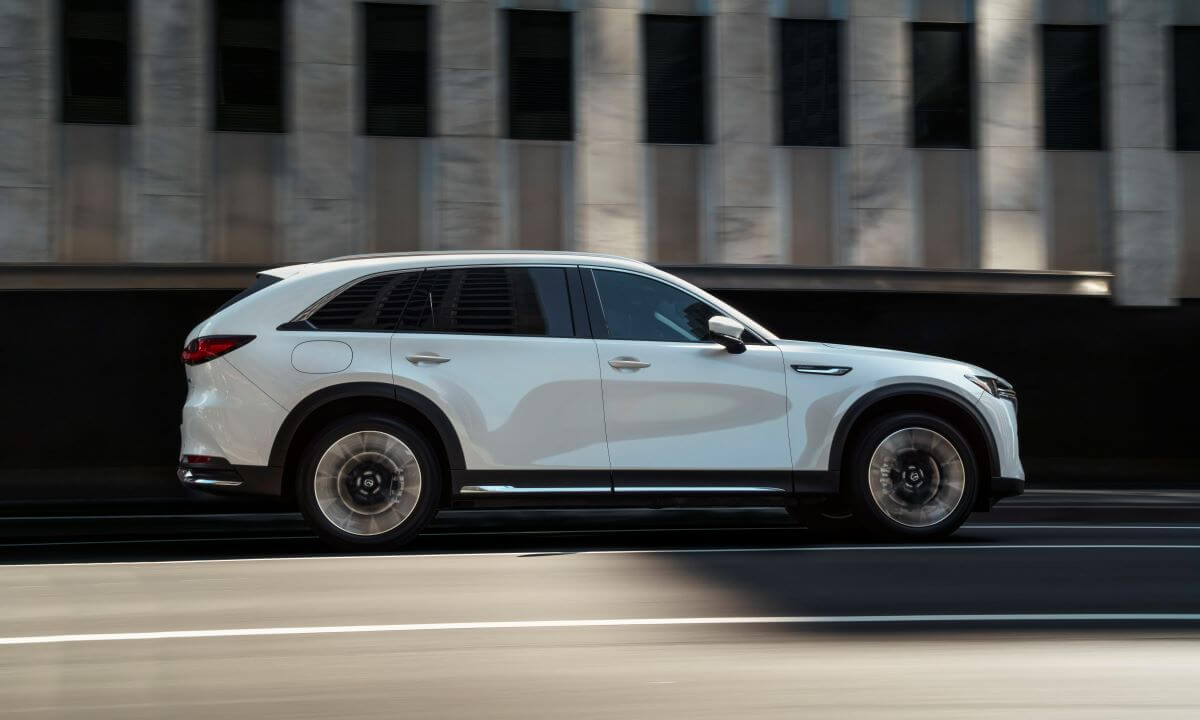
x,y
551,379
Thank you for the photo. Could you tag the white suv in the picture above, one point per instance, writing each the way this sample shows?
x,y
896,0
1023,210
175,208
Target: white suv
x,y
373,390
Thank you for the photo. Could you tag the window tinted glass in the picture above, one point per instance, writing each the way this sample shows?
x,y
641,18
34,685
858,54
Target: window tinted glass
x,y
941,85
640,308
374,303
95,62
539,75
809,94
674,57
249,71
1071,88
491,300
396,67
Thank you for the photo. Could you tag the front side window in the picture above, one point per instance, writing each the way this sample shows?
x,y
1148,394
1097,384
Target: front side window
x,y
491,301
635,307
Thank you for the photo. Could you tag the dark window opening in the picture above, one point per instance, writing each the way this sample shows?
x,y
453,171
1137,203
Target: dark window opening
x,y
1072,82
95,62
635,307
809,72
397,69
539,75
492,301
373,304
1186,50
942,86
675,79
249,66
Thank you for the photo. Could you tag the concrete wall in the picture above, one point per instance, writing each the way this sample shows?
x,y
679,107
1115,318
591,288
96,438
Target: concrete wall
x,y
168,189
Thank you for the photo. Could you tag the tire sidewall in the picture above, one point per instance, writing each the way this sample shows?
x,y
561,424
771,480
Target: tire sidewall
x,y
431,482
858,484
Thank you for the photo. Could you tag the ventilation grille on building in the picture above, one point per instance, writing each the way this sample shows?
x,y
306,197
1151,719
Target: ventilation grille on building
x,y
539,75
942,85
397,69
1187,88
249,68
1072,101
675,79
95,62
809,72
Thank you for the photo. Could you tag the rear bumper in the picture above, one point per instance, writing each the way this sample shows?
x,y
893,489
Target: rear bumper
x,y
226,479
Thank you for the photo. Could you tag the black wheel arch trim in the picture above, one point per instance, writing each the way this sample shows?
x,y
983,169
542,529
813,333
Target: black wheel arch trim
x,y
864,403
344,391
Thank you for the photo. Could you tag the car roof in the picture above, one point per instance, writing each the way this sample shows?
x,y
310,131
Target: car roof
x,y
381,262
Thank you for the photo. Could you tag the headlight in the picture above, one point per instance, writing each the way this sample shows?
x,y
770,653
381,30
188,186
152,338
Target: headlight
x,y
994,386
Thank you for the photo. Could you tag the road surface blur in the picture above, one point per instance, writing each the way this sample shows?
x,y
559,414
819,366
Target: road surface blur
x,y
633,614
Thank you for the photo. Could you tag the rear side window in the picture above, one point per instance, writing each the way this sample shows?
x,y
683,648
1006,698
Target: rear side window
x,y
260,282
374,303
492,301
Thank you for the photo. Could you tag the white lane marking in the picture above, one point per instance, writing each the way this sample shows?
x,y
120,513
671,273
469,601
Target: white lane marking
x,y
659,551
1078,527
616,622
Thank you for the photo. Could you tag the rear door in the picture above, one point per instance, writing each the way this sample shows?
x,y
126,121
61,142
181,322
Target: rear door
x,y
505,351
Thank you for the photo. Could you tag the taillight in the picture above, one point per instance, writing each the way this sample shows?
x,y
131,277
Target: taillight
x,y
203,349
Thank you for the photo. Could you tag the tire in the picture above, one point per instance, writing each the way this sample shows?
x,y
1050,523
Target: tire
x,y
368,482
912,476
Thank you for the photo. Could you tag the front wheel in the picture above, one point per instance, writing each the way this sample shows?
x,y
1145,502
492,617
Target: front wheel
x,y
368,481
913,476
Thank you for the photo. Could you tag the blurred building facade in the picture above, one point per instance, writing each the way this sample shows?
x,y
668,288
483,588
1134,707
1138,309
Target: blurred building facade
x,y
989,134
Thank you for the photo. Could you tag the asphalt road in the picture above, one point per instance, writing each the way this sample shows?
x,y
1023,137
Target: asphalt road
x,y
683,614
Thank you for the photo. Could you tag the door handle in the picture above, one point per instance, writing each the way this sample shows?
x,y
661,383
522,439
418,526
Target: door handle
x,y
431,358
627,363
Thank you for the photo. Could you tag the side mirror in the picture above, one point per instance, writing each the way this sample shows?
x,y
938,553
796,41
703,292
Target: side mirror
x,y
727,332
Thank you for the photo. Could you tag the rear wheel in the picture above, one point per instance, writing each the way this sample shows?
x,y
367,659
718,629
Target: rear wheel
x,y
912,476
368,482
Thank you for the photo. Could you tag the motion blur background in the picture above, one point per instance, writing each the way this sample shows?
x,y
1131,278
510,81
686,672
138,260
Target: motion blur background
x,y
1001,181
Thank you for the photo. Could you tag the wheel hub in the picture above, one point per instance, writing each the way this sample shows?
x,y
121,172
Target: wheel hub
x,y
916,477
370,483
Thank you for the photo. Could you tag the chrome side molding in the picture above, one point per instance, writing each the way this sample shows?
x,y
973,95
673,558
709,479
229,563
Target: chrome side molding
x,y
821,369
509,489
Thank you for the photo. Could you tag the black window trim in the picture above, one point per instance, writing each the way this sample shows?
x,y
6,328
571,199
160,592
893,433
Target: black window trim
x,y
970,28
596,310
578,310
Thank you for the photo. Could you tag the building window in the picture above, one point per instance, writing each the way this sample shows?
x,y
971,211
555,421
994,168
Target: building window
x,y
1186,49
675,79
809,72
1072,103
539,75
942,96
397,69
95,63
249,66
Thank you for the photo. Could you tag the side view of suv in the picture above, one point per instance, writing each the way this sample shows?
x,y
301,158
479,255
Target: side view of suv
x,y
371,391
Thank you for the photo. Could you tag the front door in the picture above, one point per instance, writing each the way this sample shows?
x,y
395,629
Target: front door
x,y
498,347
682,413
